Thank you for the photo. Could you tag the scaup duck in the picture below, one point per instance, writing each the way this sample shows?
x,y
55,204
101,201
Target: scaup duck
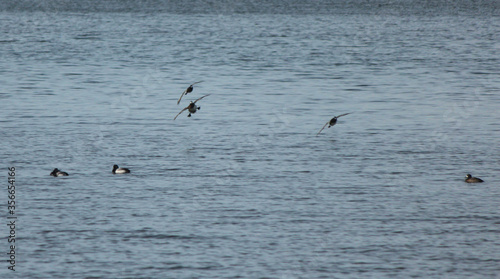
x,y
188,90
191,107
332,122
470,179
119,170
56,172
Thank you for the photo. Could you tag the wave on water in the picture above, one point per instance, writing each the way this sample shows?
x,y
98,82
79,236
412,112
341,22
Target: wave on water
x,y
485,7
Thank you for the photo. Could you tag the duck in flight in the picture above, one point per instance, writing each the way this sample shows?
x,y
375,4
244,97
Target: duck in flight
x,y
332,122
191,107
470,179
119,170
56,172
188,90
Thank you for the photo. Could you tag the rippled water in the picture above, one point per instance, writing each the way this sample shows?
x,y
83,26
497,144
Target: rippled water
x,y
244,188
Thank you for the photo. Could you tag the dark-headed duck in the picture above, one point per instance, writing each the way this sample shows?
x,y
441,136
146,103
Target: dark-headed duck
x,y
118,170
470,179
332,122
56,172
188,90
191,107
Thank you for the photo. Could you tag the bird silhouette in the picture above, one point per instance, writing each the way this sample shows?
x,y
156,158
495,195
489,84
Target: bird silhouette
x,y
191,107
188,90
332,122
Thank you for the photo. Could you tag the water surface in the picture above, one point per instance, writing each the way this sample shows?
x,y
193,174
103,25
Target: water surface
x,y
244,188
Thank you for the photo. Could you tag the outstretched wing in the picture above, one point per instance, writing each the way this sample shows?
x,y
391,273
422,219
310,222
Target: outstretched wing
x,y
180,112
196,82
343,115
322,128
201,98
183,93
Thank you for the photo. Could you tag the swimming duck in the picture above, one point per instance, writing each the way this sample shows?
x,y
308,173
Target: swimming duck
x,y
332,122
56,172
188,90
470,179
191,107
118,170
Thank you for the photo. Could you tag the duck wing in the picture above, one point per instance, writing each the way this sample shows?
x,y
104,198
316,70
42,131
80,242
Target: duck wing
x,y
342,115
322,128
183,93
201,98
180,112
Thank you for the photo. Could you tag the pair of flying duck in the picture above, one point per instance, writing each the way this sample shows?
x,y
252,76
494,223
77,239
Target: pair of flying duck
x,y
192,108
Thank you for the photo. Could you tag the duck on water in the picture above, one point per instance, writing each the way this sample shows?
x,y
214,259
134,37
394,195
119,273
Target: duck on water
x,y
470,179
118,170
56,172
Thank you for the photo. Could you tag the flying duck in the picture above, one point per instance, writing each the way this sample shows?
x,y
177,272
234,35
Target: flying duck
x,y
332,122
188,90
191,107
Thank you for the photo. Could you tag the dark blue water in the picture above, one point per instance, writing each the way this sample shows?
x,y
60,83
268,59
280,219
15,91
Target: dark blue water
x,y
244,188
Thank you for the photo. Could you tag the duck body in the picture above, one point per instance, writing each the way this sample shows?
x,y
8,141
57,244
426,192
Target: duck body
x,y
118,170
56,172
192,108
470,179
332,122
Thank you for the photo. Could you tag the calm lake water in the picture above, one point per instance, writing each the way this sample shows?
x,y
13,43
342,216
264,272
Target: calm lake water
x,y
244,188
